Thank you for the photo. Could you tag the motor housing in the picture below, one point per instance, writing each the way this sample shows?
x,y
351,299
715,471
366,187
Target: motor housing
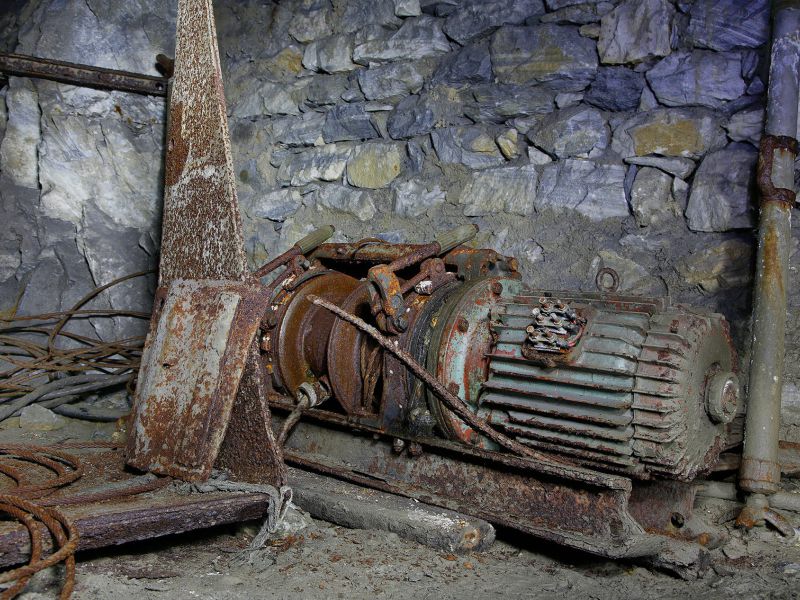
x,y
618,383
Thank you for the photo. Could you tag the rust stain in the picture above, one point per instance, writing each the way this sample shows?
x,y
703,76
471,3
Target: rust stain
x,y
191,372
772,269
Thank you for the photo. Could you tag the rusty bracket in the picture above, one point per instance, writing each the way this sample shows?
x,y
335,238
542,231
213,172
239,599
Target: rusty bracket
x,y
201,399
766,161
386,291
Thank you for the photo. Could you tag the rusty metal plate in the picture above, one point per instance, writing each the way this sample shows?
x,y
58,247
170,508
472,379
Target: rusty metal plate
x,y
191,370
250,451
124,519
202,232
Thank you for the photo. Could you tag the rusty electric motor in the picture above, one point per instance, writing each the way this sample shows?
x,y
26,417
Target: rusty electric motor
x,y
614,383
619,383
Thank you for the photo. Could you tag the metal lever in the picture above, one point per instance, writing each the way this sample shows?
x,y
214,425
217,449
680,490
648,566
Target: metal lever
x,y
302,246
387,293
455,237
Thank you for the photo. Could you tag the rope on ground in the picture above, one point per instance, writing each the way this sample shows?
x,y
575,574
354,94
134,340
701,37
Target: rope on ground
x,y
32,504
65,537
279,501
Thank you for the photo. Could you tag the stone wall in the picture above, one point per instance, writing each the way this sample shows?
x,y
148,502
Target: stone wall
x,y
577,134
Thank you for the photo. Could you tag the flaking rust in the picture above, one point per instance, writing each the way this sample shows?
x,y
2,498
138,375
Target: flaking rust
x,y
202,234
201,370
191,374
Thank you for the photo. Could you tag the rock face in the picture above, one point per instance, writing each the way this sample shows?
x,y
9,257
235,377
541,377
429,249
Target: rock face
x,y
635,31
474,17
680,167
746,126
512,188
628,125
305,130
546,53
470,146
417,38
699,77
331,55
325,163
275,206
651,197
577,131
722,193
499,103
670,132
616,88
594,190
727,24
578,13
18,157
417,115
387,81
724,266
414,199
346,200
348,122
472,64
375,165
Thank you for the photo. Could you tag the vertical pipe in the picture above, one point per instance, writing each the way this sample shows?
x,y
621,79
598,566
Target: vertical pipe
x,y
760,471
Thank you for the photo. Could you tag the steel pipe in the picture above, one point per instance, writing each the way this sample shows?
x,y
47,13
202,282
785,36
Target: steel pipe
x,y
82,75
760,473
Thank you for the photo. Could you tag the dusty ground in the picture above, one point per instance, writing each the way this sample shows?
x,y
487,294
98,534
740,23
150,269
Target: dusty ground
x,y
322,560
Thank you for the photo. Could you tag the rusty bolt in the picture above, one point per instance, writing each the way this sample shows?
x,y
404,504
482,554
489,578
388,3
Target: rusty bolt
x,y
398,445
266,343
497,288
270,318
414,449
462,324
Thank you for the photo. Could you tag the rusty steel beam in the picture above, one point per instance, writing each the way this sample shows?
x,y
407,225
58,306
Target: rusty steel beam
x,y
142,518
82,75
201,397
572,506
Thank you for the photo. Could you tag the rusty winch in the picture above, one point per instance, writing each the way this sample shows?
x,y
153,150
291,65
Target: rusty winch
x,y
620,384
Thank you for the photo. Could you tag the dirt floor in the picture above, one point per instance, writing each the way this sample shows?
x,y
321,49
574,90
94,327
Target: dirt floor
x,y
315,559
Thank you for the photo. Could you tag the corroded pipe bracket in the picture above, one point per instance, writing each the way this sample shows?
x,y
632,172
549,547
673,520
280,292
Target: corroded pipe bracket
x,y
784,149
